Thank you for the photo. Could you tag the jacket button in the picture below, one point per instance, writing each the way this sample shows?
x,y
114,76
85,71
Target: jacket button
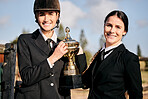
x,y
51,84
51,74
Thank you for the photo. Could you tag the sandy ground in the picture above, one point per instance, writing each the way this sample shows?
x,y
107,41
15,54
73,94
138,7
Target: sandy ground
x,y
79,93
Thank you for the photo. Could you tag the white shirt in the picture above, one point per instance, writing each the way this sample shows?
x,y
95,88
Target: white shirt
x,y
109,48
54,38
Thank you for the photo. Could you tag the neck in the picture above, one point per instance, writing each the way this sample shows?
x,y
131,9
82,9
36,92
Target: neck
x,y
108,44
48,34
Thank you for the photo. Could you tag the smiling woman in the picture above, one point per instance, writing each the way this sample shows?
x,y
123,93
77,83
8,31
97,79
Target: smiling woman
x,y
47,21
114,29
41,56
110,75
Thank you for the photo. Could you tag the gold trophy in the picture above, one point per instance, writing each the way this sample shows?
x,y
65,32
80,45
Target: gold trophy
x,y
73,48
71,78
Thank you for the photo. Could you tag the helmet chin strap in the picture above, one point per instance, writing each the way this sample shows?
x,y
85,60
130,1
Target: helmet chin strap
x,y
57,26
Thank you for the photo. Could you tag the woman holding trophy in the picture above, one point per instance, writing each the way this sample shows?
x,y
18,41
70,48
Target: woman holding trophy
x,y
40,56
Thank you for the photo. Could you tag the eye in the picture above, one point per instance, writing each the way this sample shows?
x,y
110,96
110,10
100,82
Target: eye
x,y
51,13
118,27
108,25
41,14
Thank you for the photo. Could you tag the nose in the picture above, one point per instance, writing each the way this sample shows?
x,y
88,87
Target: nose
x,y
112,30
46,18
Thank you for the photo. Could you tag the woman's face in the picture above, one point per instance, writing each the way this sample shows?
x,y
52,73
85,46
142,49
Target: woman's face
x,y
47,19
114,29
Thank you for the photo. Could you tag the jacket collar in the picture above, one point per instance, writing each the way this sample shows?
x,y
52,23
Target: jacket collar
x,y
112,57
54,36
40,42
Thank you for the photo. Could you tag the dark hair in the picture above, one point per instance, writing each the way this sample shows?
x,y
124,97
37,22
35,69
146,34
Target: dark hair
x,y
121,15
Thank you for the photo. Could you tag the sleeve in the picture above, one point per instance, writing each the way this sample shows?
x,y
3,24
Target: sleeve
x,y
133,77
51,65
30,74
81,62
87,75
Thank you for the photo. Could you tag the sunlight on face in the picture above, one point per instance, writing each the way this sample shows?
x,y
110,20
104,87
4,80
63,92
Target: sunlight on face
x,y
47,19
114,29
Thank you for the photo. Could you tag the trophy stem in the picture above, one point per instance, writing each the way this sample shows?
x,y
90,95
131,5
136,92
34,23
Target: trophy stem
x,y
71,64
71,68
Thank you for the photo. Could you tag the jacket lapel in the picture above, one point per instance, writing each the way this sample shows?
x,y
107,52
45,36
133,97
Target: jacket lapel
x,y
111,58
40,42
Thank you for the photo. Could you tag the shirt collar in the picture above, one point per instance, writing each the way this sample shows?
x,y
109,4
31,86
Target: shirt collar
x,y
54,36
110,47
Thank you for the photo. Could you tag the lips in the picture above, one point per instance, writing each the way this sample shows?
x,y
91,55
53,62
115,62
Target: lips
x,y
110,35
46,24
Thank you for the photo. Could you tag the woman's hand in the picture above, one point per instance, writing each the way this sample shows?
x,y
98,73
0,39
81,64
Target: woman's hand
x,y
59,51
80,50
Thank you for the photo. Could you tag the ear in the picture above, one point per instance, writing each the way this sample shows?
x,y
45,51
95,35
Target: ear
x,y
58,14
36,14
36,21
124,33
58,21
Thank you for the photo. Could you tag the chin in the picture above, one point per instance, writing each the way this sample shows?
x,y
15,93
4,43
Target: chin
x,y
47,29
110,42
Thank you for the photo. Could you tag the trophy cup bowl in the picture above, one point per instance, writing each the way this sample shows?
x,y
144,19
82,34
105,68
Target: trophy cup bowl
x,y
71,78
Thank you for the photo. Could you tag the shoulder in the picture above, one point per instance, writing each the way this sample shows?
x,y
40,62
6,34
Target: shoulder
x,y
130,59
24,36
128,54
124,52
28,36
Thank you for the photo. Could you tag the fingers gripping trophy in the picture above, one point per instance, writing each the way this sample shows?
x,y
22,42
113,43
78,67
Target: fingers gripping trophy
x,y
71,78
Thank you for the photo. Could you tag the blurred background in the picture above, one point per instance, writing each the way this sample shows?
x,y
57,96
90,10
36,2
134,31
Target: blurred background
x,y
17,16
85,18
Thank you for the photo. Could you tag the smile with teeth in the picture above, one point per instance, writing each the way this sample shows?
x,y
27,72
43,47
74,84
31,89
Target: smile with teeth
x,y
110,34
46,24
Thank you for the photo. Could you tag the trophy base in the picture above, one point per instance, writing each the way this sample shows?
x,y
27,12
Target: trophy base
x,y
71,82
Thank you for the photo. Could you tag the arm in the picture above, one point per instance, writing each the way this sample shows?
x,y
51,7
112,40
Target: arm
x,y
60,50
81,62
87,74
133,77
87,77
31,73
80,59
